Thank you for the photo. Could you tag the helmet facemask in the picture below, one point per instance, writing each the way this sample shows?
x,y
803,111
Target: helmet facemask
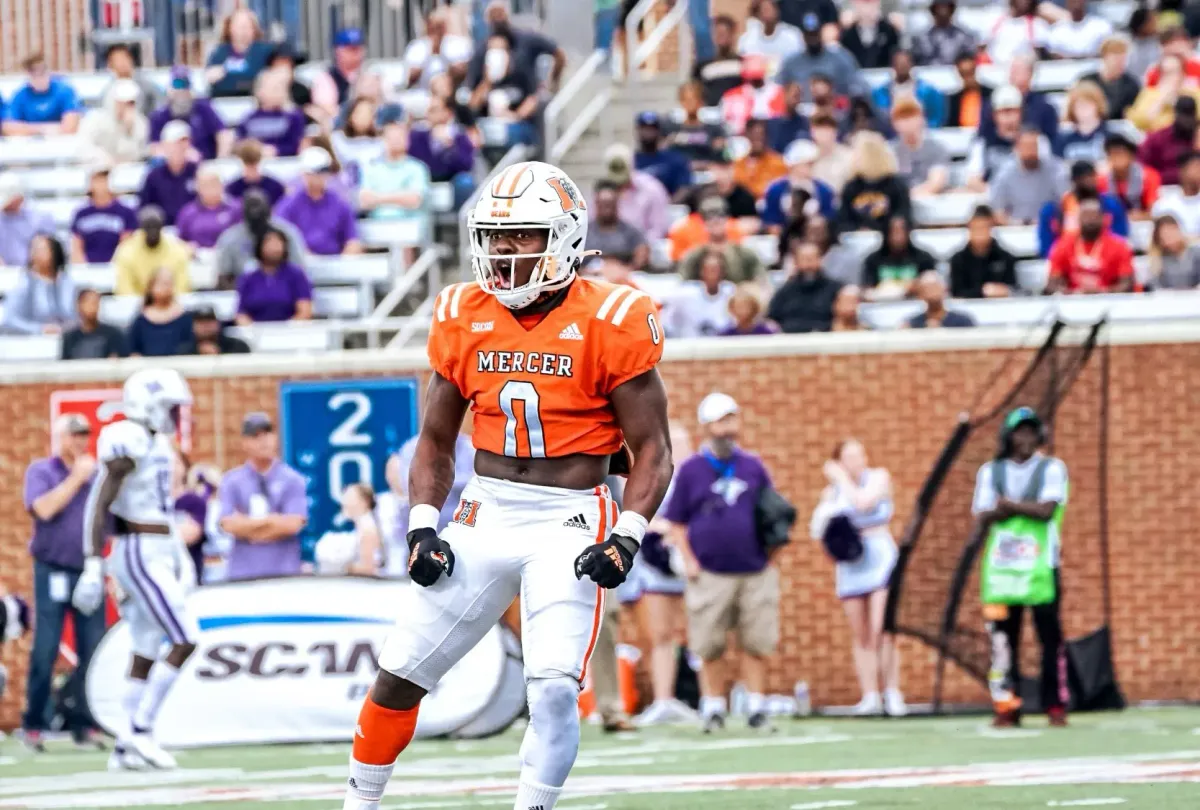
x,y
498,273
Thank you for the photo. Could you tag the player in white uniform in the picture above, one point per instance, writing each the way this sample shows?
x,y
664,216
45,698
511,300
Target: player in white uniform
x,y
148,558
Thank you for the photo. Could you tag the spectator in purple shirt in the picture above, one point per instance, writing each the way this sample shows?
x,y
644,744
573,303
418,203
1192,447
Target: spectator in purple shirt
x,y
276,290
446,148
204,219
276,123
731,582
56,492
98,227
172,184
263,506
250,153
324,218
210,137
746,308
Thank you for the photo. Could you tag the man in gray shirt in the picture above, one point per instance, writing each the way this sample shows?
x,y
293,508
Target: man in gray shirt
x,y
1028,181
922,162
616,240
235,247
830,60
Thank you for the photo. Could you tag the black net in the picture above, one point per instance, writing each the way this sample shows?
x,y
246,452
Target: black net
x,y
935,592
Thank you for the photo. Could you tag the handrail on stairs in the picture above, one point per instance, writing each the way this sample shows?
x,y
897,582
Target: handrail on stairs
x,y
636,56
557,106
580,125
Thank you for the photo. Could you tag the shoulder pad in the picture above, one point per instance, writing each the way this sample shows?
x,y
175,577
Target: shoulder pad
x,y
123,439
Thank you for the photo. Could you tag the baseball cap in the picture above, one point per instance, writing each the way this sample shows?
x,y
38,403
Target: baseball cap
x,y
349,38
75,424
10,188
801,151
204,313
181,78
1082,168
176,131
1006,98
125,90
754,67
715,407
810,23
314,159
618,159
257,423
648,118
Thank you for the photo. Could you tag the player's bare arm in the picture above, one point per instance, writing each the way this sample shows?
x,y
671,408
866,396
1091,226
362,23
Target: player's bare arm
x,y
432,471
431,479
640,406
109,484
641,409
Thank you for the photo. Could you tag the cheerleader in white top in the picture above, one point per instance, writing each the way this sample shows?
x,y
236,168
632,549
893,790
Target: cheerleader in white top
x,y
864,495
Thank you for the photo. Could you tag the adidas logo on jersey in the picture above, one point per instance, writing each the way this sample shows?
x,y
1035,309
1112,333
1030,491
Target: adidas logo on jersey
x,y
570,333
578,522
482,326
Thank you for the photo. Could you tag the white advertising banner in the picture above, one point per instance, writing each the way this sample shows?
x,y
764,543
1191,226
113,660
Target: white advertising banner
x,y
291,659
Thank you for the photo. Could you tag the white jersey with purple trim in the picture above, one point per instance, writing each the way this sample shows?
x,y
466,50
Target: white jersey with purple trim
x,y
145,495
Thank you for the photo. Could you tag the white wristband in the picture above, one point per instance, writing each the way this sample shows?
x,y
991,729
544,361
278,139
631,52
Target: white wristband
x,y
423,516
631,524
93,566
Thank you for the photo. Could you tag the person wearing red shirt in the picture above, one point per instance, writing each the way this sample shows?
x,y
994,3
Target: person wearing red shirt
x,y
1092,260
1176,41
755,98
1135,185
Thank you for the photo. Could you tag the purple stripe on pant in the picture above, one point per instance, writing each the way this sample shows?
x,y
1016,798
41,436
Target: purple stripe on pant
x,y
150,592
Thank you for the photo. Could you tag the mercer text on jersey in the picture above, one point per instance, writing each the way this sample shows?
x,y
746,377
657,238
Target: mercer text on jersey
x,y
547,363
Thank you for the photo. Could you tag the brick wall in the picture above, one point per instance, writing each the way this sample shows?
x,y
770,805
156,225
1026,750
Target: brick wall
x,y
902,405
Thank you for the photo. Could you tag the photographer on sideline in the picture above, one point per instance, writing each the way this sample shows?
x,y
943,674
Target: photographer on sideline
x,y
1019,500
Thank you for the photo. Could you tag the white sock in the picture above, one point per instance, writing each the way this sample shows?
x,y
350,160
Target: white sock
x,y
532,796
713,705
755,703
162,678
134,689
367,782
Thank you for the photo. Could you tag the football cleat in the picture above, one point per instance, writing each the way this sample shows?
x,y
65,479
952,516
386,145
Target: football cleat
x,y
145,747
124,758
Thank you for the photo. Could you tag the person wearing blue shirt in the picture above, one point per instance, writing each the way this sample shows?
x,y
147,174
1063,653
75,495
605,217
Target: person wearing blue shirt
x,y
240,56
932,102
667,166
46,105
793,125
1036,109
1057,218
782,194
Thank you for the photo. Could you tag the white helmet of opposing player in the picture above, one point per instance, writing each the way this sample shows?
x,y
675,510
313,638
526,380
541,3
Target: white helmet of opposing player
x,y
154,397
528,196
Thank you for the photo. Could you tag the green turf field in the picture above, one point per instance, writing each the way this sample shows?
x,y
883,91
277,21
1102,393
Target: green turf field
x,y
1146,759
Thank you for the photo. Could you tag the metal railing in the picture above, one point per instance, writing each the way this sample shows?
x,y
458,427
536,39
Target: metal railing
x,y
558,106
636,55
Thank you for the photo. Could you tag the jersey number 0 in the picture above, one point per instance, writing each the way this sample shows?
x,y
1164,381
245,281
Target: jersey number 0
x,y
523,425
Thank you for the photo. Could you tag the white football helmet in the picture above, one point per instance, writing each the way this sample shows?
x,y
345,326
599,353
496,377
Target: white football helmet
x,y
528,196
154,397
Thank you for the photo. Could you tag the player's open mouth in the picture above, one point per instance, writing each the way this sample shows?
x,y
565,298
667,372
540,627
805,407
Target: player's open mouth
x,y
503,275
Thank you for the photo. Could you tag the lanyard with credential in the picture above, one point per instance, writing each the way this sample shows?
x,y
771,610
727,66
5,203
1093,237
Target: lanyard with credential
x,y
723,469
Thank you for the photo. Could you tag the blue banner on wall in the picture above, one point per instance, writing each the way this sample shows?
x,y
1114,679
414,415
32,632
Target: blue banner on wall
x,y
340,432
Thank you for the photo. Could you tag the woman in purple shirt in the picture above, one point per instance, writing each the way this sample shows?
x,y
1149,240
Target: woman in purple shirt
x,y
276,290
276,124
204,219
99,226
746,309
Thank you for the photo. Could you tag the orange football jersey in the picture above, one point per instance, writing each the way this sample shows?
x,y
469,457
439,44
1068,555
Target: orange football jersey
x,y
544,391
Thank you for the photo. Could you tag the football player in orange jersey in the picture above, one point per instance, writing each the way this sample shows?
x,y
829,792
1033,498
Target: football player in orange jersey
x,y
560,374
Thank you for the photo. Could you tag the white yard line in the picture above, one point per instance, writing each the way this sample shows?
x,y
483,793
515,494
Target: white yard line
x,y
1084,802
824,805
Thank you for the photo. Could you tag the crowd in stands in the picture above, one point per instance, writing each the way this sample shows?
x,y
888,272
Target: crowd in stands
x,y
796,144
365,149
